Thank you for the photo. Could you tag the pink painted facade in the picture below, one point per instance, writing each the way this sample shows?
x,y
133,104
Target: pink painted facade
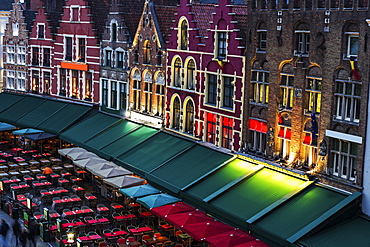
x,y
205,80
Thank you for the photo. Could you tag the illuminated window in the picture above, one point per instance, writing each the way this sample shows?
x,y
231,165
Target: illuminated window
x,y
211,127
68,49
46,82
286,91
190,74
35,56
63,82
148,92
35,81
344,159
310,149
113,95
81,49
105,93
160,99
137,94
257,132
348,97
46,57
189,118
147,51
313,95
177,73
88,87
221,45
176,114
75,84
212,89
184,35
227,132
284,137
260,85
228,92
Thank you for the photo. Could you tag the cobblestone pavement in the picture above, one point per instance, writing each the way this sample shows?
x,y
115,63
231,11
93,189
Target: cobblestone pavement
x,y
11,237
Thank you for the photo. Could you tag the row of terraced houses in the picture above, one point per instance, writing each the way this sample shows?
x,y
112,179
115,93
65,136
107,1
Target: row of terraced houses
x,y
280,81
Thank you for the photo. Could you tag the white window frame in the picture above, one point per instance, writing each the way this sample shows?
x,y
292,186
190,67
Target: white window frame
x,y
303,42
287,91
343,99
344,163
260,86
350,36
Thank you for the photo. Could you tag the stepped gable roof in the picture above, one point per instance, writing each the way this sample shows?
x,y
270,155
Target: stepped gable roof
x,y
6,4
203,15
99,11
29,18
164,16
54,13
241,15
132,13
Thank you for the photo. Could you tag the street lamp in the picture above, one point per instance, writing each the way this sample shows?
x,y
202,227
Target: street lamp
x,y
70,235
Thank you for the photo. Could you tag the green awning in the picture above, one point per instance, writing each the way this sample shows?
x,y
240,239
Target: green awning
x,y
350,233
89,127
128,141
220,178
20,109
254,194
289,219
8,99
187,167
64,118
40,113
153,152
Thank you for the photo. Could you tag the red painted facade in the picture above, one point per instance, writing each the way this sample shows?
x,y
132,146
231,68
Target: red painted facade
x,y
205,81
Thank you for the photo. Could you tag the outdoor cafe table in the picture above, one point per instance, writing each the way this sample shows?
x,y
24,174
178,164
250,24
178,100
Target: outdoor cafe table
x,y
34,163
72,224
54,215
90,237
145,214
115,234
76,180
9,181
126,216
97,221
152,241
41,184
20,186
118,207
144,229
12,166
79,188
23,164
79,213
40,177
36,156
63,182
19,159
91,198
21,198
2,161
55,175
102,210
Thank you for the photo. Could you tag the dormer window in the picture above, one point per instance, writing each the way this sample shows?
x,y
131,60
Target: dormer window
x,y
221,45
40,31
184,35
147,51
75,14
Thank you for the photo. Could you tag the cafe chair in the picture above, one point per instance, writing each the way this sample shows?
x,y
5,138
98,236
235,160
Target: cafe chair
x,y
107,230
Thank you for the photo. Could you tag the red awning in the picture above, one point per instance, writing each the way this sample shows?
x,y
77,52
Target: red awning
x,y
167,210
255,243
230,239
181,219
201,231
307,140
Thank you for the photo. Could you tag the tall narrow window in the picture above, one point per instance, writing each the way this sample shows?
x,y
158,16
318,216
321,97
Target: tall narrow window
x,y
228,92
352,45
41,31
75,86
75,14
114,95
120,59
159,58
160,99
136,56
262,37
46,57
189,118
286,91
137,94
148,92
344,159
221,45
313,95
212,89
184,35
88,86
302,36
63,82
35,81
211,127
190,74
284,137
308,5
46,82
105,93
114,32
257,130
260,84
227,132
176,114
348,97
147,53
68,48
108,58
35,56
310,144
177,73
123,96
81,50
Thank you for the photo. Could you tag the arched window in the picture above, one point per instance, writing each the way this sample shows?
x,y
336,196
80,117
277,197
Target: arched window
x,y
177,73
114,32
176,114
302,35
136,88
189,118
190,74
184,35
147,50
148,92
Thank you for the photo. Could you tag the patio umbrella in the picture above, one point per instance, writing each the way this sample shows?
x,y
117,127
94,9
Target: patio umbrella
x,y
157,200
39,136
94,169
89,162
27,131
66,151
139,191
123,181
80,156
230,239
112,172
203,230
254,243
166,210
185,218
6,126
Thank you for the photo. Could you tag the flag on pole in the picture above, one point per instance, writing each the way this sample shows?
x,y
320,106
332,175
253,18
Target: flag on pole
x,y
355,74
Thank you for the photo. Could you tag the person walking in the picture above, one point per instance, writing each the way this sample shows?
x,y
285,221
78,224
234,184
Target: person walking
x,y
4,228
47,171
17,230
